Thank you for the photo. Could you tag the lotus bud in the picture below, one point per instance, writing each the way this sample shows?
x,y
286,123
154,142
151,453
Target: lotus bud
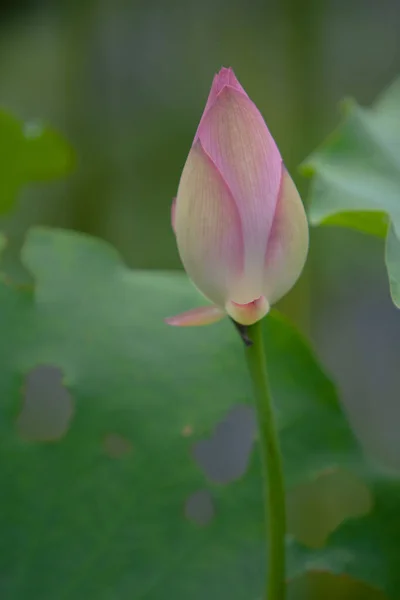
x,y
240,225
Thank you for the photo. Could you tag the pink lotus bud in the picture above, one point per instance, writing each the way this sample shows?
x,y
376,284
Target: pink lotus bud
x,y
240,224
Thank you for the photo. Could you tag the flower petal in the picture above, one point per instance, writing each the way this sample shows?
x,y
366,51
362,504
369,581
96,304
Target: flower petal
x,y
208,229
247,314
226,76
288,242
237,139
173,206
205,315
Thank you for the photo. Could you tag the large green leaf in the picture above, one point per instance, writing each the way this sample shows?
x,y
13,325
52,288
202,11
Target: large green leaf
x,y
100,511
29,152
356,176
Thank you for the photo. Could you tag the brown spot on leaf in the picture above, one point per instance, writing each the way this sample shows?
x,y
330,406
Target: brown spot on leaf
x,y
225,456
187,431
199,507
317,508
47,407
116,446
319,585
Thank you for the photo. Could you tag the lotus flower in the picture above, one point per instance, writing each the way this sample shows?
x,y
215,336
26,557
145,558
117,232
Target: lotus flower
x,y
240,225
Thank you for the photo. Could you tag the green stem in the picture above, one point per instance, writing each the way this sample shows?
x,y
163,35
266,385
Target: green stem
x,y
274,488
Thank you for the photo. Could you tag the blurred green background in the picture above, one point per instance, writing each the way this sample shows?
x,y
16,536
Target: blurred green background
x,y
126,82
